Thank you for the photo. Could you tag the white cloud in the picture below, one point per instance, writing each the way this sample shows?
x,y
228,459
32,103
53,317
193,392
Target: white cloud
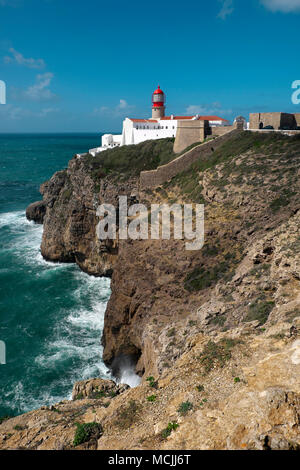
x,y
40,90
285,6
226,10
123,104
206,109
18,58
16,113
121,109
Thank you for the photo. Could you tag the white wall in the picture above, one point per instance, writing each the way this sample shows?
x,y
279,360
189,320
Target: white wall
x,y
137,132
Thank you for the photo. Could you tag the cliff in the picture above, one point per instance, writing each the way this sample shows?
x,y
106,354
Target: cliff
x,y
217,329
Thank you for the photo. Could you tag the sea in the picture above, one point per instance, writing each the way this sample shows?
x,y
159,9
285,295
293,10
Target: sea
x,y
51,315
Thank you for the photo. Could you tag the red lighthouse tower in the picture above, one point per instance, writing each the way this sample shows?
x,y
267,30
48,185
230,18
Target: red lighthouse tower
x,y
158,104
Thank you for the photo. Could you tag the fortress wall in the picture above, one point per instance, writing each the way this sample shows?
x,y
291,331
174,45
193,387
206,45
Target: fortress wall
x,y
188,133
277,120
297,117
154,178
221,130
266,119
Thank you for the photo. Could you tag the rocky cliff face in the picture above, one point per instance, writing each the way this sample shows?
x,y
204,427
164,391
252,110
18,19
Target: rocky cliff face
x,y
68,212
236,390
216,328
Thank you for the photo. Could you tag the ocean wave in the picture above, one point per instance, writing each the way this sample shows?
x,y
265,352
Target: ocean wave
x,y
72,349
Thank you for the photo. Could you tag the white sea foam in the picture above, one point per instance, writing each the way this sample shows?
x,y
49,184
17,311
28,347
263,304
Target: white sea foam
x,y
129,377
76,338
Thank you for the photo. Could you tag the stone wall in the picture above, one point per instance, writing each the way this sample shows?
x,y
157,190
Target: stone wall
x,y
276,120
188,133
154,178
297,117
221,130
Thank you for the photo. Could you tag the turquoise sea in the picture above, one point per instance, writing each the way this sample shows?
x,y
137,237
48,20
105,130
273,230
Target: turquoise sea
x,y
51,315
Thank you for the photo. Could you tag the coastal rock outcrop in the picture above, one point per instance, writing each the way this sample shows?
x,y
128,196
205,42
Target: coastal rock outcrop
x,y
234,390
36,212
96,388
217,330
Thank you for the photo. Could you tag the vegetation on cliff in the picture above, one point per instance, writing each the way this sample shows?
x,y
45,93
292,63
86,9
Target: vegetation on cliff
x,y
130,160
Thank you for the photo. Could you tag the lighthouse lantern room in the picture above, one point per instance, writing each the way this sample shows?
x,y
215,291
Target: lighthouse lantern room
x,y
158,104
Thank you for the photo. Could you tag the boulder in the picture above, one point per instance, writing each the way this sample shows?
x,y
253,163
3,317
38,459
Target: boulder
x,y
36,212
97,388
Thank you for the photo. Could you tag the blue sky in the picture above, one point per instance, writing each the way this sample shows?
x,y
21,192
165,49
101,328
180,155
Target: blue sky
x,y
74,66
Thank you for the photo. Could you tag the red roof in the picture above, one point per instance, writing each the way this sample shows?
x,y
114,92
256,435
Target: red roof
x,y
200,118
166,118
143,120
211,118
158,91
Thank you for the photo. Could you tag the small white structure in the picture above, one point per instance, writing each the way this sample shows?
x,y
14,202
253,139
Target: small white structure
x,y
159,126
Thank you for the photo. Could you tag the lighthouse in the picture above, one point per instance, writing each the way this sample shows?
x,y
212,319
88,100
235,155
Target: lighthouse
x,y
158,104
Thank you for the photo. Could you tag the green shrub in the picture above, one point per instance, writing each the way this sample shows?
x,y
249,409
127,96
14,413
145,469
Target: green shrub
x,y
172,426
19,428
152,382
87,431
185,407
4,418
151,398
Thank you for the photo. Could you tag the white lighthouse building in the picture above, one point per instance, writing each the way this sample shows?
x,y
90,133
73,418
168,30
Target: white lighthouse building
x,y
158,126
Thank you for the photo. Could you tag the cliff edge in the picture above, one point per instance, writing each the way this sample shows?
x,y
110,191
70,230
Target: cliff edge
x,y
215,331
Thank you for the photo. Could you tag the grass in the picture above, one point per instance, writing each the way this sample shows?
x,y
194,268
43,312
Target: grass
x,y
87,431
4,418
282,201
202,278
291,315
217,354
130,160
259,311
260,270
129,415
265,144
